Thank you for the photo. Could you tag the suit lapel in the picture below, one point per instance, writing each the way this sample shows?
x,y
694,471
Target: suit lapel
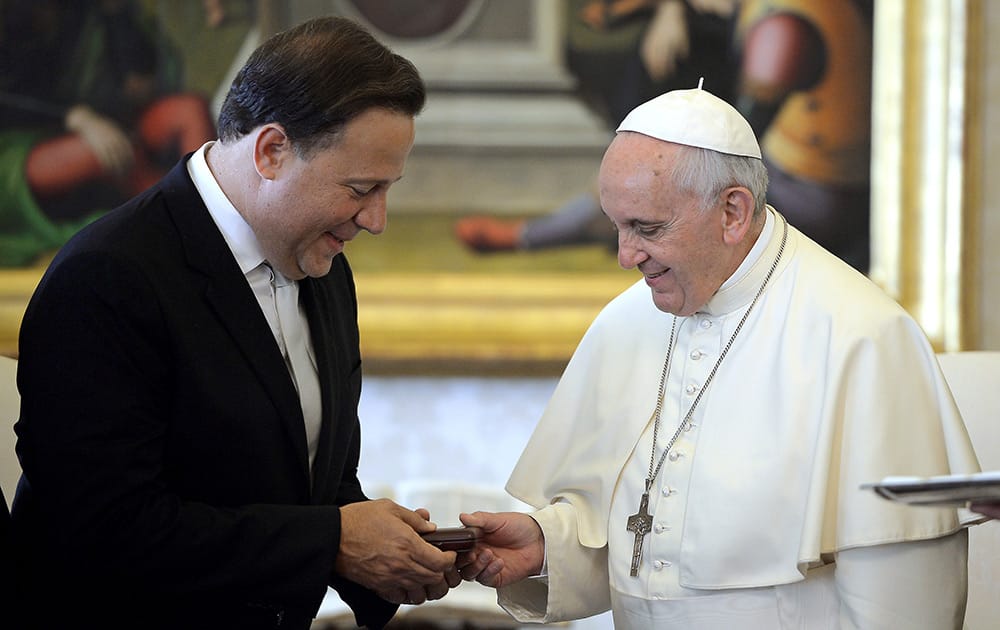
x,y
230,296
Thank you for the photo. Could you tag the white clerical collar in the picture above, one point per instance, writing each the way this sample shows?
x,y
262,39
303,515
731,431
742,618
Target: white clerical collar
x,y
740,288
237,232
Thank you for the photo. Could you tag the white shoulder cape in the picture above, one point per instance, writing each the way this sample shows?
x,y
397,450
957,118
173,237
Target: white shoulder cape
x,y
830,384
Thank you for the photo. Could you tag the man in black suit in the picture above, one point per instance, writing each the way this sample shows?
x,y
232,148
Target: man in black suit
x,y
186,463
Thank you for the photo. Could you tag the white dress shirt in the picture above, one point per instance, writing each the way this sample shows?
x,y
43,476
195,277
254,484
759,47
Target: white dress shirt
x,y
260,276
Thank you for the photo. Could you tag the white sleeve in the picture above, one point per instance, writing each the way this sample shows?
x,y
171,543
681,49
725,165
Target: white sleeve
x,y
918,585
577,584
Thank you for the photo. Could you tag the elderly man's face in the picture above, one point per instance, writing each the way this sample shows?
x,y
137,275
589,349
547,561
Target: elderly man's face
x,y
676,244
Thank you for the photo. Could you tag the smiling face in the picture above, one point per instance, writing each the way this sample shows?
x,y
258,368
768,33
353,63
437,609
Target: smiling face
x,y
684,250
309,208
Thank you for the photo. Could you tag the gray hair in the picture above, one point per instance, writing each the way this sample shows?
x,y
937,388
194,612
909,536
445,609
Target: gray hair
x,y
706,173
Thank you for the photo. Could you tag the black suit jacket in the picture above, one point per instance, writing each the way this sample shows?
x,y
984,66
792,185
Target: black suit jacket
x,y
161,438
6,565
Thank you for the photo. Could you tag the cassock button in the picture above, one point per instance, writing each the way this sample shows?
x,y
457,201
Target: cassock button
x,y
667,491
658,564
696,354
659,528
675,455
706,324
691,389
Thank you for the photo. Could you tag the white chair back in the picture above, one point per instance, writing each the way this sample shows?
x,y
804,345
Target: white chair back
x,y
974,379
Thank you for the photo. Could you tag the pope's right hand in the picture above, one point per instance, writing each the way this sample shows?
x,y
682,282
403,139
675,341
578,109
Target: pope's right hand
x,y
511,549
381,549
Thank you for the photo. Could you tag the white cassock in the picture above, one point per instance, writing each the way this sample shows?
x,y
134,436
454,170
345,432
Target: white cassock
x,y
758,519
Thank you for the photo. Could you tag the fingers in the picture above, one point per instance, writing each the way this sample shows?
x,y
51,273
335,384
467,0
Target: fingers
x,y
417,596
395,596
476,519
486,568
380,549
417,519
431,592
436,591
452,577
434,559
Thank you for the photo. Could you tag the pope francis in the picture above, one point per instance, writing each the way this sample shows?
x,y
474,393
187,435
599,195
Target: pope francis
x,y
699,463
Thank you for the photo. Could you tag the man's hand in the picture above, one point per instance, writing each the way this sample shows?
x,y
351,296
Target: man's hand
x,y
989,509
381,549
512,548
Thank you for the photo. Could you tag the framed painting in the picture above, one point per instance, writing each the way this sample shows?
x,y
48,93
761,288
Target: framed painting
x,y
506,131
99,99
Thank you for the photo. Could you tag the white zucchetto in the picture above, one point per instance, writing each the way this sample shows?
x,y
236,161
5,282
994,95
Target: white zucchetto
x,y
694,118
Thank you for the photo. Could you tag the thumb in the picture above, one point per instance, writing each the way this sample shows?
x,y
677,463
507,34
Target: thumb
x,y
476,519
415,520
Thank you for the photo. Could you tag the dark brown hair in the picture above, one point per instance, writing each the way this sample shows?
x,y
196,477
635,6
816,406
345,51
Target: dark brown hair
x,y
313,79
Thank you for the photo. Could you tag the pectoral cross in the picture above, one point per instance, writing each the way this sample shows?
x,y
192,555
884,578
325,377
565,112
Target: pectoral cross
x,y
641,523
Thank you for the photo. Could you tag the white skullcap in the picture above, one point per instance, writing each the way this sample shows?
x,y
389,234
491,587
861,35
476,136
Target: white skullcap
x,y
695,118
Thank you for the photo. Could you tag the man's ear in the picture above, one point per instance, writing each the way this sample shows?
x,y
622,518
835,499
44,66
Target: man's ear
x,y
737,214
271,148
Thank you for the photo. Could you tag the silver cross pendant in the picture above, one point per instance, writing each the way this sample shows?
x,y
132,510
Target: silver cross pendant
x,y
641,523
